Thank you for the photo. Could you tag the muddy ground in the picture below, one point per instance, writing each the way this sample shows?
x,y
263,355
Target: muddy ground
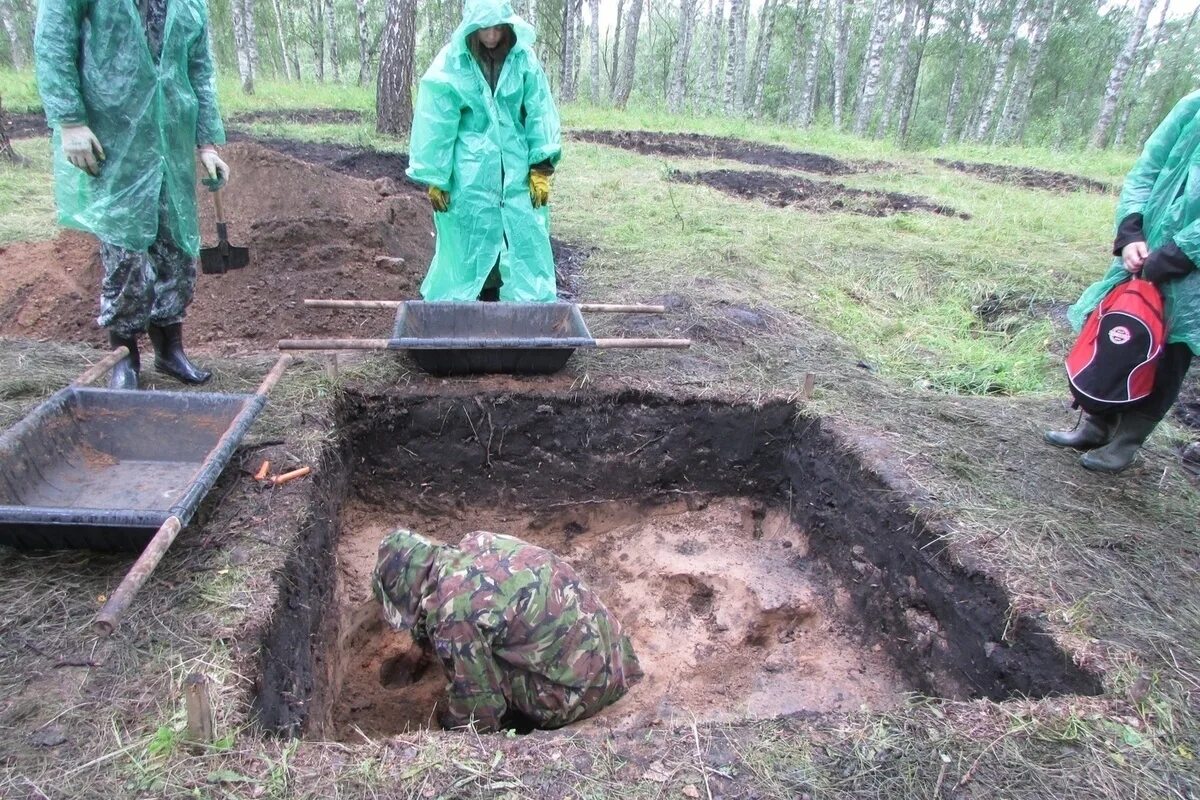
x,y
30,126
1028,177
320,221
696,145
730,617
780,190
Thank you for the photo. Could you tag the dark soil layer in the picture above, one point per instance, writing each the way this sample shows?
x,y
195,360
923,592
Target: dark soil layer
x,y
949,629
696,145
817,196
27,126
1028,177
302,116
357,161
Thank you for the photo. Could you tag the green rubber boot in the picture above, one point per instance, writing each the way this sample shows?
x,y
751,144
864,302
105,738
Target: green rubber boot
x,y
1092,431
1132,432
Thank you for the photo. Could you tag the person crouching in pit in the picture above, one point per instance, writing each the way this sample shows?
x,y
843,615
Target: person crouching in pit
x,y
521,639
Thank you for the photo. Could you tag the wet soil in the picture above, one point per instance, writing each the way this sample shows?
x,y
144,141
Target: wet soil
x,y
1006,312
1028,177
311,233
27,126
729,616
301,116
695,145
1187,408
787,191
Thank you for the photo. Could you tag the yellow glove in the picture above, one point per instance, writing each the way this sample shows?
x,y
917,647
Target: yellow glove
x,y
539,188
438,199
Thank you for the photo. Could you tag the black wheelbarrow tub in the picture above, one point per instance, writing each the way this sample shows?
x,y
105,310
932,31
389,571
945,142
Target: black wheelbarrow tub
x,y
477,338
99,469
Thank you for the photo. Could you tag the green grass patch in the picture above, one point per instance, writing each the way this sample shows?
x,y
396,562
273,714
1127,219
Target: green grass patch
x,y
27,195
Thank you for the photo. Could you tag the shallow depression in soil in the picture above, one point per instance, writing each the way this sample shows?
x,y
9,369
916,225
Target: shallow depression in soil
x,y
729,616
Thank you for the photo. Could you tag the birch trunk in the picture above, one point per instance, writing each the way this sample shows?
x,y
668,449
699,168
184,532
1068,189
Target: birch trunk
x,y
16,45
841,55
335,60
914,76
1000,73
872,67
766,35
796,63
629,59
809,91
1135,92
283,40
1016,107
900,69
737,41
956,85
241,46
616,59
393,94
316,19
594,55
1116,78
716,24
679,65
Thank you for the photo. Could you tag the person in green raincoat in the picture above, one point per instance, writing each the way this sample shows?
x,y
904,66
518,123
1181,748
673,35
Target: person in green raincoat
x,y
485,140
129,91
1158,237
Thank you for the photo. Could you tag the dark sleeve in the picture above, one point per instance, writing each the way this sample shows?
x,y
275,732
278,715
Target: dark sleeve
x,y
1128,232
546,166
1167,263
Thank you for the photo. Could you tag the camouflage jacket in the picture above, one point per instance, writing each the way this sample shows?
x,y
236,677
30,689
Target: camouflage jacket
x,y
512,624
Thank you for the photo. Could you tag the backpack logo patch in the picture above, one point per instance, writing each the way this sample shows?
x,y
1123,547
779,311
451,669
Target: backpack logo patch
x,y
1119,335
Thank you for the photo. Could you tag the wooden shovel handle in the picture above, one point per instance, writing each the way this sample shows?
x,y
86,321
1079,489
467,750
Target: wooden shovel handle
x,y
220,207
274,375
100,367
114,608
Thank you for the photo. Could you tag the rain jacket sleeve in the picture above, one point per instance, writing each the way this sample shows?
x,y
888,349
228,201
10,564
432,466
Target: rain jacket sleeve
x,y
434,133
57,47
209,129
476,690
1139,183
543,135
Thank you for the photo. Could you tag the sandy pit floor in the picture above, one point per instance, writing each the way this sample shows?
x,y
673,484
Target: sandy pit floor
x,y
729,616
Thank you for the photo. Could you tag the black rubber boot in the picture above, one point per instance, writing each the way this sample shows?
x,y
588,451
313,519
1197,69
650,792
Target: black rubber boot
x,y
1092,431
125,374
1132,432
170,358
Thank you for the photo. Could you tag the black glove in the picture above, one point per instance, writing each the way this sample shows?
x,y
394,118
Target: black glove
x,y
1128,232
1167,263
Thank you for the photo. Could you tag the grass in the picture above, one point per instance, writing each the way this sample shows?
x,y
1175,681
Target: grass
x,y
889,312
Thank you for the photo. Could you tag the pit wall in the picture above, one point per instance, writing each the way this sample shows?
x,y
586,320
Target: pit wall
x,y
949,628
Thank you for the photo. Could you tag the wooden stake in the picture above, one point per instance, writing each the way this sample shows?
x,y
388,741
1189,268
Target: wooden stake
x,y
642,344
199,709
333,344
810,386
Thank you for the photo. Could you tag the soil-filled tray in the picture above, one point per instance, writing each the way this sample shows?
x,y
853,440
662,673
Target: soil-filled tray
x,y
100,469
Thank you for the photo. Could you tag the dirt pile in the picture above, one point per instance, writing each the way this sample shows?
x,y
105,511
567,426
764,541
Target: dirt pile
x,y
1028,177
696,145
817,196
312,232
729,616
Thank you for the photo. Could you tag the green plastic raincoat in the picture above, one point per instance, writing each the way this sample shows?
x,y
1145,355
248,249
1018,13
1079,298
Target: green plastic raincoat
x,y
479,146
94,67
1159,188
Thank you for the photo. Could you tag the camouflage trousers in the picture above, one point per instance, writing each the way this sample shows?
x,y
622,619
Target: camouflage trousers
x,y
142,288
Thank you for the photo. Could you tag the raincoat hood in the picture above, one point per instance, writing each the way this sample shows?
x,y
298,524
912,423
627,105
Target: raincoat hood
x,y
479,14
402,577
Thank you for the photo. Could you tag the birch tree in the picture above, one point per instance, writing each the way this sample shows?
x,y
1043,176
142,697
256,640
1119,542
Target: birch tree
x,y
872,66
594,54
716,23
762,53
1116,78
1016,107
283,40
616,59
241,45
841,56
999,73
913,79
896,84
679,64
316,17
808,92
393,94
16,42
796,62
956,85
1135,91
331,35
364,42
629,58
737,42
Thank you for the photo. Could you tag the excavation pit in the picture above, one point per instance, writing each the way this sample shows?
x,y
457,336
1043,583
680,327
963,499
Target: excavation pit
x,y
759,566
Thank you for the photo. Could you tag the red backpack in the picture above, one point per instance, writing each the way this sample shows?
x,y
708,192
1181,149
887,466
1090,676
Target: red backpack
x,y
1114,360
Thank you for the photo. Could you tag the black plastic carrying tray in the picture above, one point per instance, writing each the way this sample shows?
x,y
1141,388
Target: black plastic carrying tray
x,y
99,469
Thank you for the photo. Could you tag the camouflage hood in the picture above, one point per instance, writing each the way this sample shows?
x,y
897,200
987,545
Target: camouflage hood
x,y
402,577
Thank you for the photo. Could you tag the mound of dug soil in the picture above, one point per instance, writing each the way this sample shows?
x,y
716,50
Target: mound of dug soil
x,y
695,145
312,232
1028,177
818,196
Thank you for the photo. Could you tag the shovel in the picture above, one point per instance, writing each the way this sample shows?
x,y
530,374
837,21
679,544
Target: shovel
x,y
224,257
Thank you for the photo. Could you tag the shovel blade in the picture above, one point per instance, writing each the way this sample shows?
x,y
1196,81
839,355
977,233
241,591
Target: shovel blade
x,y
219,260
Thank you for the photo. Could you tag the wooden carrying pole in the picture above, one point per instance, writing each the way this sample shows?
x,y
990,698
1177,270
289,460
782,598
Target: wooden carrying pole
x,y
114,608
606,308
100,367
